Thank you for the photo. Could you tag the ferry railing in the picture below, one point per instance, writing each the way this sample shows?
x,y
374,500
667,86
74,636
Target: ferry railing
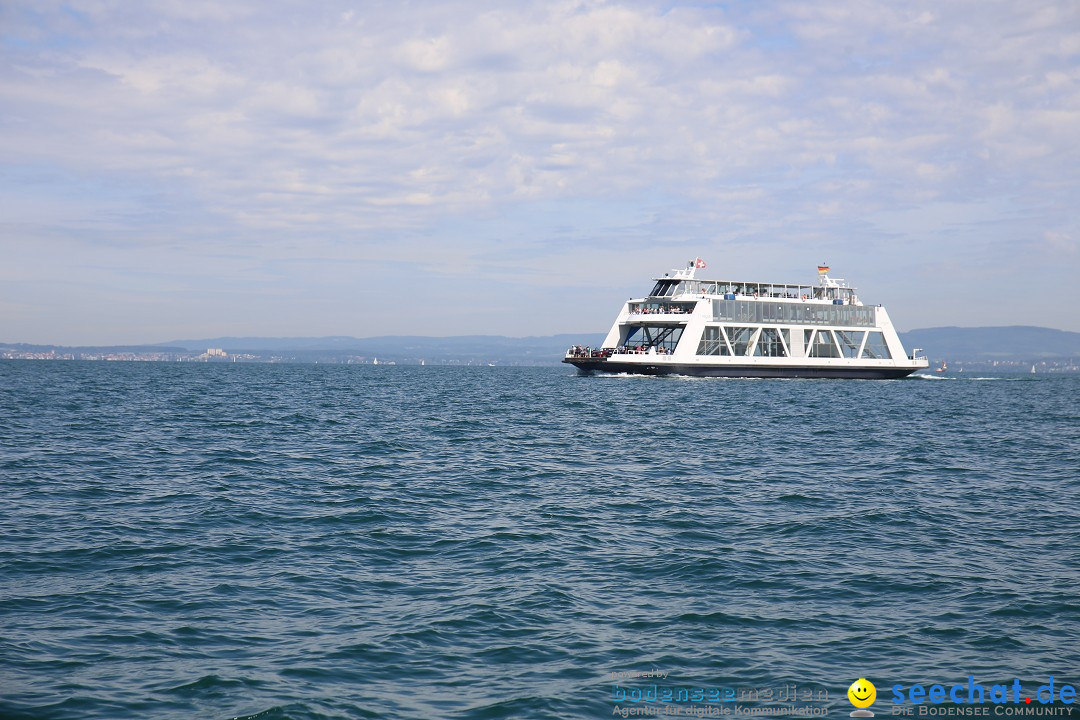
x,y
641,351
589,352
660,311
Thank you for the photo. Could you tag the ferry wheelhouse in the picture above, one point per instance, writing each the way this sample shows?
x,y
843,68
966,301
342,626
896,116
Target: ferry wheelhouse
x,y
687,325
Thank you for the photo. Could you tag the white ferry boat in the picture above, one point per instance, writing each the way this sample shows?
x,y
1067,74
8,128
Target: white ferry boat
x,y
724,328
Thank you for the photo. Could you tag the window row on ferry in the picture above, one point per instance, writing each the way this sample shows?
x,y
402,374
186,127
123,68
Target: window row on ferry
x,y
669,287
776,342
795,313
732,292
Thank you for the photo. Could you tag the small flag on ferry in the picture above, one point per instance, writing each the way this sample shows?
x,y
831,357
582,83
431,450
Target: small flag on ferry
x,y
699,263
822,269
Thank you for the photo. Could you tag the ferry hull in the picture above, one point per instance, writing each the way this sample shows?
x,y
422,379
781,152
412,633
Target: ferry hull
x,y
603,365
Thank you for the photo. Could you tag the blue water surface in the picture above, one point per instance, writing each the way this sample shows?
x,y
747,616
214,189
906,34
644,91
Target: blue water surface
x,y
309,542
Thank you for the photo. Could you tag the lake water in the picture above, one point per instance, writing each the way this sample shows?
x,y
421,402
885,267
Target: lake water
x,y
300,541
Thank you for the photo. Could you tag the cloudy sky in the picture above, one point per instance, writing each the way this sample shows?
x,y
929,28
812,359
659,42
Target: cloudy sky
x,y
193,168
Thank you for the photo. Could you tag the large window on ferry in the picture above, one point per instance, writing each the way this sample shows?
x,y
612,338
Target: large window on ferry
x,y
712,342
822,345
875,347
653,336
664,288
773,342
740,339
849,342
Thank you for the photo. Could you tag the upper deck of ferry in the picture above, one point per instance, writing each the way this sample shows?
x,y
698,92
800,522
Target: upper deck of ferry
x,y
684,282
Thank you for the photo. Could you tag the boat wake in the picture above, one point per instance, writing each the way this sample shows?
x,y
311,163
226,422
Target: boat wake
x,y
957,378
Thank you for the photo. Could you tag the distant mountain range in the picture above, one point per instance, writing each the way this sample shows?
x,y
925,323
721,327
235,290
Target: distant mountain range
x,y
984,344
1014,344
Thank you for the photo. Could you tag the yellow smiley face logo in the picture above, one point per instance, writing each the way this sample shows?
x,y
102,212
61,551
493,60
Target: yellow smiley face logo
x,y
862,693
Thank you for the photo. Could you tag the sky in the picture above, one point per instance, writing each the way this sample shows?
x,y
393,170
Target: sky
x,y
198,168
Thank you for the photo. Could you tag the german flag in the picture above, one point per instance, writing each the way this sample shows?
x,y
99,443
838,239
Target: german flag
x,y
822,269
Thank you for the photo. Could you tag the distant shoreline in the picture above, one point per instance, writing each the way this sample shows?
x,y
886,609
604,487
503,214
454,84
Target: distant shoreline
x,y
1005,349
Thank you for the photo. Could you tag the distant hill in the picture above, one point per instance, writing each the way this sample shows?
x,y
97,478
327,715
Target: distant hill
x,y
985,344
